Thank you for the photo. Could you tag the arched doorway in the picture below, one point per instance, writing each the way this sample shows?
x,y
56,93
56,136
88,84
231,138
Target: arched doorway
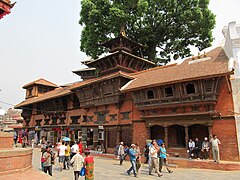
x,y
157,132
176,136
198,131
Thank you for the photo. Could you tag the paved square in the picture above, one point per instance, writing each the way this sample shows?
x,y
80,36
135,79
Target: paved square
x,y
108,169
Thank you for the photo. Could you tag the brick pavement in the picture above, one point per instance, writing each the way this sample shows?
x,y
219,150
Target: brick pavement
x,y
109,169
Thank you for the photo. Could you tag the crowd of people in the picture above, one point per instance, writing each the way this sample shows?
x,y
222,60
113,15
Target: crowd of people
x,y
67,157
201,150
156,154
156,157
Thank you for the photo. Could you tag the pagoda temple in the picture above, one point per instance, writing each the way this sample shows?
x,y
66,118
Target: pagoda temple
x,y
5,7
124,97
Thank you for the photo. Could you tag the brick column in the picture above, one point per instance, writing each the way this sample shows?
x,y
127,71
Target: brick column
x,y
186,136
166,136
148,132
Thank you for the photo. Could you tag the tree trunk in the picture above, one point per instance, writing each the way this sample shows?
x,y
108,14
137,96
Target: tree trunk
x,y
151,52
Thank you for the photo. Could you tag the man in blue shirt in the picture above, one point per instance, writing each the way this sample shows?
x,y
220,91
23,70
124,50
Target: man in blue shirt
x,y
132,154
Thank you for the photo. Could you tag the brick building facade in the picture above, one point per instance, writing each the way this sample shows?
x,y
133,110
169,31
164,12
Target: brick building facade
x,y
124,97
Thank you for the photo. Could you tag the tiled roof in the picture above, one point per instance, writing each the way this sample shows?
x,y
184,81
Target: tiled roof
x,y
58,92
40,81
93,80
215,64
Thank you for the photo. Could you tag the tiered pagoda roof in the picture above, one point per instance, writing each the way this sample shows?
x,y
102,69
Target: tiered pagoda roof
x,y
125,55
5,7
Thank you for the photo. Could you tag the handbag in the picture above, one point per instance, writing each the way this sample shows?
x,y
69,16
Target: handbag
x,y
82,172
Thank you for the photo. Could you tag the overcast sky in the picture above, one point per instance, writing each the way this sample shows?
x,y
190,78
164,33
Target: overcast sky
x,y
41,39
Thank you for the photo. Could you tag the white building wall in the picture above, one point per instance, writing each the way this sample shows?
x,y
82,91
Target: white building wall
x,y
232,49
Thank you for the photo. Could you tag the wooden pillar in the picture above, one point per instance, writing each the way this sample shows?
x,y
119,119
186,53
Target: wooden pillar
x,y
210,132
118,135
186,136
166,136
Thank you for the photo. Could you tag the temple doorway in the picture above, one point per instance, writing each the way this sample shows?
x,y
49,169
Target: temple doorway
x,y
157,132
198,131
176,136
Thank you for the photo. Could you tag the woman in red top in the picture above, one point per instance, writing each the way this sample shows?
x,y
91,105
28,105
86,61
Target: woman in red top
x,y
89,164
80,147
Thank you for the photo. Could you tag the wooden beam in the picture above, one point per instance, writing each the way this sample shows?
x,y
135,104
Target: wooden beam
x,y
228,84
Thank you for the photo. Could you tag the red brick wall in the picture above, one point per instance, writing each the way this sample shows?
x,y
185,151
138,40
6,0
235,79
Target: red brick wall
x,y
140,134
226,133
225,127
6,140
13,160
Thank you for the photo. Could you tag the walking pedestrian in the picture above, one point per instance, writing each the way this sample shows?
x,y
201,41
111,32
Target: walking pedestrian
x,y
146,153
138,158
121,153
67,156
80,147
163,159
47,162
77,161
74,149
215,149
132,154
153,150
61,155
89,165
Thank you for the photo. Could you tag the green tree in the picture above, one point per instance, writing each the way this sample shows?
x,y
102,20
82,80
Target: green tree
x,y
167,27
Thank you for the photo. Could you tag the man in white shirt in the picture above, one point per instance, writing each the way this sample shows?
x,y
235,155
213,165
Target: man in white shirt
x,y
191,146
61,153
153,152
215,150
74,149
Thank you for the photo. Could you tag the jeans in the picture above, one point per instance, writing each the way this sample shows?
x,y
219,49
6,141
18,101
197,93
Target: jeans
x,y
66,162
49,169
133,167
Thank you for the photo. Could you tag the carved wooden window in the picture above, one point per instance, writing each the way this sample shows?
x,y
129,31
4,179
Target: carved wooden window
x,y
125,115
54,121
46,121
113,117
190,88
38,122
107,88
30,92
62,120
168,91
208,85
76,103
150,94
75,119
88,92
101,118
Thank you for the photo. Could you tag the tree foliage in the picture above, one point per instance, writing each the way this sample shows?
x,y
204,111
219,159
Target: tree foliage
x,y
167,27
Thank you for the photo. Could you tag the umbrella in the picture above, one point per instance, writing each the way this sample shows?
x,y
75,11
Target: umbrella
x,y
66,139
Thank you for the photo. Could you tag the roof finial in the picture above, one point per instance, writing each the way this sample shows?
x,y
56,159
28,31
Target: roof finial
x,y
122,31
